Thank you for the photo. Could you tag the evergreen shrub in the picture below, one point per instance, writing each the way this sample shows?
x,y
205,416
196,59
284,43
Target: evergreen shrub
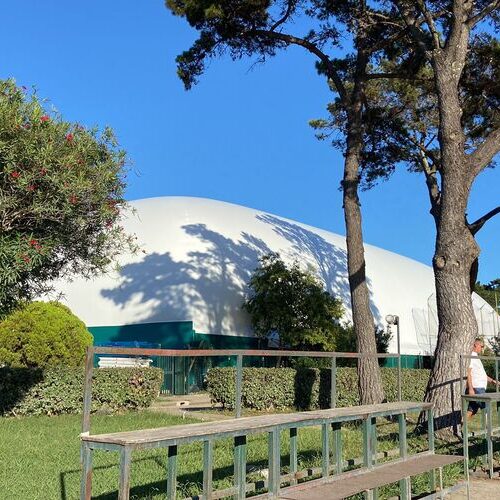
x,y
54,391
43,334
305,388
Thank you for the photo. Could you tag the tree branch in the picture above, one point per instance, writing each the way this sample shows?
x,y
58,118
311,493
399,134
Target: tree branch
x,y
472,21
286,15
430,23
485,152
475,226
293,40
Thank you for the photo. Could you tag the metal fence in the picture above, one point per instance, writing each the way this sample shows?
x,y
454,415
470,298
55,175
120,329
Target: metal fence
x,y
213,353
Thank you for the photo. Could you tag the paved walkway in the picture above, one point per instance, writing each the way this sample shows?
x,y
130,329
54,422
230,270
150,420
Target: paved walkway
x,y
481,489
191,405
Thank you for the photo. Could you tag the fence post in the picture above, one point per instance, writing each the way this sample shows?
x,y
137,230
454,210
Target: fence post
x,y
239,381
333,383
87,391
461,368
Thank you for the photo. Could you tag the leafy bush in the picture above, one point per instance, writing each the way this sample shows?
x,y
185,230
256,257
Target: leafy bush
x,y
43,334
292,302
305,388
28,391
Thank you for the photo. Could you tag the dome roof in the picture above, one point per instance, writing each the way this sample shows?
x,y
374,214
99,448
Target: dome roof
x,y
197,255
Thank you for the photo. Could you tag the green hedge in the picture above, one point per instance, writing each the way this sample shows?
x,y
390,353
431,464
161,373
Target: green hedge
x,y
25,391
305,388
43,335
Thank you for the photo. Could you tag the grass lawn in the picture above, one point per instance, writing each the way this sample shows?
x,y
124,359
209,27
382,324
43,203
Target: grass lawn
x,y
39,457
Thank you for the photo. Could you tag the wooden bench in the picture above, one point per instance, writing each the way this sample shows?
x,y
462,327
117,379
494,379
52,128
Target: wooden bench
x,y
339,485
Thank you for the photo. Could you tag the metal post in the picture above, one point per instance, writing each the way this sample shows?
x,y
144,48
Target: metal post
x,y
333,383
239,381
172,473
124,489
87,390
293,454
208,454
274,464
430,437
367,451
337,442
399,359
465,441
489,432
240,467
404,484
496,373
461,367
325,450
86,486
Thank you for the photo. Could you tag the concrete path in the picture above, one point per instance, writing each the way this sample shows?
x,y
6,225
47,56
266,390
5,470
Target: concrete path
x,y
481,489
191,405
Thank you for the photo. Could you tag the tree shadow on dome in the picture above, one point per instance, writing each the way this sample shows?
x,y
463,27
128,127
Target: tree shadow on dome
x,y
329,260
207,287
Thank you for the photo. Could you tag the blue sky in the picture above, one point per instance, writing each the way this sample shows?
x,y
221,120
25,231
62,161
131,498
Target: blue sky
x,y
241,135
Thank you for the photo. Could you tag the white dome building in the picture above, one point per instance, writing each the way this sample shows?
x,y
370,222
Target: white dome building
x,y
189,281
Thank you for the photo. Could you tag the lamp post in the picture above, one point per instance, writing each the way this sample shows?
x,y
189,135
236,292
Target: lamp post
x,y
393,319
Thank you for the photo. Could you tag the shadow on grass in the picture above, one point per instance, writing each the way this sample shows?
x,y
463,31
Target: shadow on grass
x,y
183,480
14,384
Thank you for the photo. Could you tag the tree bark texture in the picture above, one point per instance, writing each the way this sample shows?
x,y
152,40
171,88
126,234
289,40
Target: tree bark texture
x,y
369,378
456,250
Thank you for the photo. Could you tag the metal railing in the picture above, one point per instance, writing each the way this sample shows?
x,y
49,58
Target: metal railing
x,y
240,355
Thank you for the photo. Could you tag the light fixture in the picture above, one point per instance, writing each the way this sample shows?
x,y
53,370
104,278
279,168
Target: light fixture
x,y
392,319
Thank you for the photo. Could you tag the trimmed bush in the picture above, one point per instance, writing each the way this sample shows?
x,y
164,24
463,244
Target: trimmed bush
x,y
43,334
28,391
305,388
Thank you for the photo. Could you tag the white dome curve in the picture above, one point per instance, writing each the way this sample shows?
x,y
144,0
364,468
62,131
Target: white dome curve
x,y
198,255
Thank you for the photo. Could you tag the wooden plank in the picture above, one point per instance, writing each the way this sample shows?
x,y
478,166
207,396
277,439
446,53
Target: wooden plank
x,y
347,484
248,425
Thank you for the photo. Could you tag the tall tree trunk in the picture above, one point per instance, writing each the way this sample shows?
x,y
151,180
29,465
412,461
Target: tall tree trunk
x,y
456,249
369,378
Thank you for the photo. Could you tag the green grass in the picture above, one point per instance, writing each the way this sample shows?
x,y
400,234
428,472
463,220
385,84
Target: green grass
x,y
40,457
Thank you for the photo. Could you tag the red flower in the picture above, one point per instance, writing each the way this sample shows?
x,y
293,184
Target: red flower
x,y
73,199
44,118
25,258
69,137
15,174
43,171
31,187
33,242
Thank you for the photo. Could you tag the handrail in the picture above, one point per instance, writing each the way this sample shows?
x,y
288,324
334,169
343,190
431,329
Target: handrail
x,y
139,351
239,353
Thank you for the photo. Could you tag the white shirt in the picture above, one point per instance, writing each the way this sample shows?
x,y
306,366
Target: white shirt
x,y
478,374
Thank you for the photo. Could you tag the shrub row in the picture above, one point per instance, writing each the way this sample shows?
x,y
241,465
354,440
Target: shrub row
x,y
305,388
27,391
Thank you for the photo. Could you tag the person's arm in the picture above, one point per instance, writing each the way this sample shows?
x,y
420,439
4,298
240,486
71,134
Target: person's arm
x,y
493,381
470,389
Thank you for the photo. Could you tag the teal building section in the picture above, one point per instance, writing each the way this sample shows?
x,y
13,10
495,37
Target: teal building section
x,y
182,375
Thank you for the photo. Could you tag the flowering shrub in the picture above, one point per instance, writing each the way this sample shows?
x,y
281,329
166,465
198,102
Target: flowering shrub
x,y
61,197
